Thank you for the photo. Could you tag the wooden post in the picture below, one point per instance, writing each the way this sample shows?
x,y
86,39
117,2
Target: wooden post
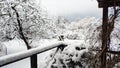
x,y
104,34
33,60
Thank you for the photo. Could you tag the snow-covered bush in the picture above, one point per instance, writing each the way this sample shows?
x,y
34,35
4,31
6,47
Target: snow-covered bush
x,y
75,55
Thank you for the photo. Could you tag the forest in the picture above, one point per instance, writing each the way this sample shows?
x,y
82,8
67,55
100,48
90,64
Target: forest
x,y
31,38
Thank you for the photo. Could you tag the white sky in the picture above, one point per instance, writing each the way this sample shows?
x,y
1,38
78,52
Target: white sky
x,y
74,8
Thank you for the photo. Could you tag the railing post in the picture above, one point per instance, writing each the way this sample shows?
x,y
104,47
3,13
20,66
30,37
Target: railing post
x,y
33,60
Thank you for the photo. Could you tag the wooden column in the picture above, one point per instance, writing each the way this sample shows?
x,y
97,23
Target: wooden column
x,y
104,34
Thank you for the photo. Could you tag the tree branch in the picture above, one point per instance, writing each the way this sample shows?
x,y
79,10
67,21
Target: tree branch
x,y
21,29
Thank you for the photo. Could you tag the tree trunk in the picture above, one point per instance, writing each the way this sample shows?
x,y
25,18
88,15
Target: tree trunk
x,y
33,58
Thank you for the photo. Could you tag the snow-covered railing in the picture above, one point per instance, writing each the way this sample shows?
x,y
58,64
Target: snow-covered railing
x,y
28,53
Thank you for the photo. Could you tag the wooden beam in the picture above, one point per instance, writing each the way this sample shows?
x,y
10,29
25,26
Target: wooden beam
x,y
108,51
110,3
114,52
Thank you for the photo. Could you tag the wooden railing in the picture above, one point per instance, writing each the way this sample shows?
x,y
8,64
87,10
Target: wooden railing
x,y
8,59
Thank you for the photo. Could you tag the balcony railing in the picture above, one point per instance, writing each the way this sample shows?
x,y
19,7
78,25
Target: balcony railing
x,y
8,59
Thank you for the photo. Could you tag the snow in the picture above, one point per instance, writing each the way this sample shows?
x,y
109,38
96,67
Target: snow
x,y
14,46
80,35
115,47
2,49
20,46
46,61
41,57
25,63
71,50
27,53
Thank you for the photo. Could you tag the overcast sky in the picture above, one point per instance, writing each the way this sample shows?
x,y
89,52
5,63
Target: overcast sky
x,y
72,8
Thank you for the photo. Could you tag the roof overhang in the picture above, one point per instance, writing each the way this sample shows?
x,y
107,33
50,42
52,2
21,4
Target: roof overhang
x,y
110,3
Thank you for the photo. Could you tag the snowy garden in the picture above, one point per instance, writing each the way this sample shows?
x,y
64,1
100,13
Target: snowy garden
x,y
24,26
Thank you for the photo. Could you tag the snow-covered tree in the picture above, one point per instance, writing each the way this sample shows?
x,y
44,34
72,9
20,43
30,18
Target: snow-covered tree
x,y
31,18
